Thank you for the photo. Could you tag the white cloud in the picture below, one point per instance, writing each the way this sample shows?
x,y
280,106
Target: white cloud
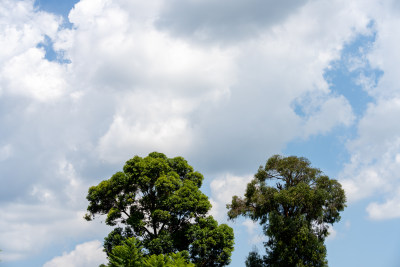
x,y
27,229
388,210
21,28
223,188
6,152
332,233
373,171
256,236
30,74
223,20
374,168
331,112
86,254
23,68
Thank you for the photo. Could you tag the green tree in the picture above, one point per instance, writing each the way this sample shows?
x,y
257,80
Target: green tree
x,y
213,243
169,260
116,237
295,203
159,202
254,259
130,254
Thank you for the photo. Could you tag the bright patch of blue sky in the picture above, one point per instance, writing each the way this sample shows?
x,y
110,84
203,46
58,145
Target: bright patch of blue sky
x,y
356,244
328,151
361,241
61,7
51,54
344,74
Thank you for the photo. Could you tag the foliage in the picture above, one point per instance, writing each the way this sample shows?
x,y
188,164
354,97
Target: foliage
x,y
159,202
295,203
171,260
130,254
116,237
212,244
254,260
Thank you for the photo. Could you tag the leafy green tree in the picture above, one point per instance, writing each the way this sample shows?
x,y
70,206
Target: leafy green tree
x,y
213,243
159,202
116,237
130,254
170,260
295,203
254,259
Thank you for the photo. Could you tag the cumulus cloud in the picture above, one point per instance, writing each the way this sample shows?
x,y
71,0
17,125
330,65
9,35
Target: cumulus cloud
x,y
223,20
86,254
388,210
5,152
23,68
373,170
327,113
332,233
223,188
31,75
29,226
256,236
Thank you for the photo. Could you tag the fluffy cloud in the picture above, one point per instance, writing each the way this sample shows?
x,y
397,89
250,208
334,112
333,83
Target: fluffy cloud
x,y
373,171
31,75
223,20
387,210
86,254
163,93
223,189
254,231
31,225
23,67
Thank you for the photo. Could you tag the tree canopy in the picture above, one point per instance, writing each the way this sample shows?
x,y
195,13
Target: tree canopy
x,y
130,254
295,203
158,201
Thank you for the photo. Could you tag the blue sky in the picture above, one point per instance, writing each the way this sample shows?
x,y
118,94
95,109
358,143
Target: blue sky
x,y
85,85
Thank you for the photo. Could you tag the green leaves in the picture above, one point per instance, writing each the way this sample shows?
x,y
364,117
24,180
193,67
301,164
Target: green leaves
x,y
170,260
295,203
130,254
213,244
159,201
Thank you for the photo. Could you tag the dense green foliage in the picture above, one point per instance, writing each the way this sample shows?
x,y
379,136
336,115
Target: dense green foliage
x,y
295,203
212,243
130,254
254,260
158,201
170,260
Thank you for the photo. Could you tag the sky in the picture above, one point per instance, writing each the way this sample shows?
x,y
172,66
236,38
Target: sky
x,y
86,85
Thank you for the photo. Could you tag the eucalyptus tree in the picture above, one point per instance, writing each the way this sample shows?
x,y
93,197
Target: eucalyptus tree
x,y
295,203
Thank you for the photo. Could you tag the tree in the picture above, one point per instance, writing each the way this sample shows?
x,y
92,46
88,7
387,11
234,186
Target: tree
x,y
158,201
254,259
170,260
130,254
212,245
295,203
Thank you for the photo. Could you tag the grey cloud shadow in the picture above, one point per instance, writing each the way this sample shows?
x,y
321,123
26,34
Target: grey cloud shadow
x,y
223,21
